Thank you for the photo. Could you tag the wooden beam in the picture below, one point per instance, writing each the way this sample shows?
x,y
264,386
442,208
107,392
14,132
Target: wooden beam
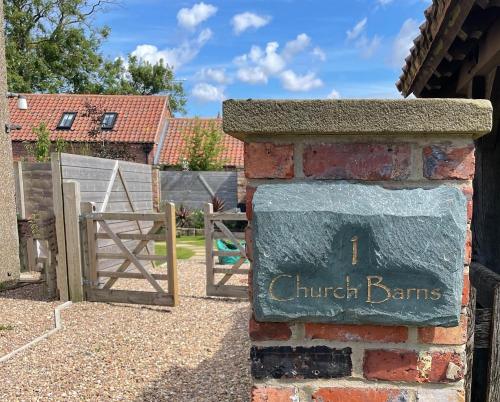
x,y
126,216
493,391
71,191
451,24
57,191
488,58
129,275
209,247
133,236
171,233
485,281
129,296
140,257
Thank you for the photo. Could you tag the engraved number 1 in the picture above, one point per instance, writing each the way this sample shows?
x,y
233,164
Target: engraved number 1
x,y
354,241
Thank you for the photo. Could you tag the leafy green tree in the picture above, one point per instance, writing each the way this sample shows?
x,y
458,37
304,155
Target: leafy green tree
x,y
40,149
139,77
203,149
52,46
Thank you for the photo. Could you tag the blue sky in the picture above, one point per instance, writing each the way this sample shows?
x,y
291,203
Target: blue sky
x,y
292,49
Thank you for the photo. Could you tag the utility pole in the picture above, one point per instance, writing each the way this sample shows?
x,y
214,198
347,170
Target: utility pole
x,y
9,243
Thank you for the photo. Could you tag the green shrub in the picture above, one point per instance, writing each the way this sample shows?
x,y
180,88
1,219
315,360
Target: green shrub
x,y
197,219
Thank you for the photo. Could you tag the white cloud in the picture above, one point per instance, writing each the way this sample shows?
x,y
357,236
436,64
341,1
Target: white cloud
x,y
296,46
177,56
384,2
319,53
252,75
334,94
303,83
259,65
367,46
217,75
242,22
190,18
208,93
357,29
403,42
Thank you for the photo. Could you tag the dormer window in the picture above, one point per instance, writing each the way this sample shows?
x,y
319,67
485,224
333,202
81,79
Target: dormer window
x,y
66,121
109,120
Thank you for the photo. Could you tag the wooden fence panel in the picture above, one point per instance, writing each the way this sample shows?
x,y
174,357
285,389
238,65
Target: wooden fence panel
x,y
195,189
111,186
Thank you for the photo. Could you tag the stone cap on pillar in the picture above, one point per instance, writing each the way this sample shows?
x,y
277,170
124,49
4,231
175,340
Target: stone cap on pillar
x,y
423,117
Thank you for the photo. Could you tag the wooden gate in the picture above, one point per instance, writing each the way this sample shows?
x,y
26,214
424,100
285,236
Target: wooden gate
x,y
218,275
132,265
94,236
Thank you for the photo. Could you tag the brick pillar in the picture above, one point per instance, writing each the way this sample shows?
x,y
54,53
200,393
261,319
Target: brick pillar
x,y
393,144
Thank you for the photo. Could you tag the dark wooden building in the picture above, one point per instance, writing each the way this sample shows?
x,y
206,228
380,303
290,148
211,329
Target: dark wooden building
x,y
457,55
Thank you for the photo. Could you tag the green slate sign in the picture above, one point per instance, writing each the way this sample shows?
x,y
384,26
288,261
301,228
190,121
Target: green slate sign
x,y
352,253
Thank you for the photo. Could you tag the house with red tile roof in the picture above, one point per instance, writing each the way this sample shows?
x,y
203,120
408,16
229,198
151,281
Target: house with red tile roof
x,y
171,150
134,123
141,124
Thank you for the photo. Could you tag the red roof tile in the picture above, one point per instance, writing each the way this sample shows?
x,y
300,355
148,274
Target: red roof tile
x,y
139,119
179,128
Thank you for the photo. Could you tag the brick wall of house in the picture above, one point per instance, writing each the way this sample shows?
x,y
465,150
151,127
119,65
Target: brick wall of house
x,y
389,363
136,152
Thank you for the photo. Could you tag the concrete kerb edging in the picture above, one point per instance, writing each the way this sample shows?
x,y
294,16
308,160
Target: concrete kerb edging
x,y
420,117
57,326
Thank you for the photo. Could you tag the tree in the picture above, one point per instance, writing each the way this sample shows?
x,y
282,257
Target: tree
x,y
203,149
40,149
139,77
102,148
52,46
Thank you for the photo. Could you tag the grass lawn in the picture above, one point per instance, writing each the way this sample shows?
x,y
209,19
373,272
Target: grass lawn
x,y
198,241
183,252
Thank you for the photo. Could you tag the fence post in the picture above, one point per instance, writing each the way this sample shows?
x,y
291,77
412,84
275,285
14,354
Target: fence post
x,y
71,190
207,211
57,191
170,233
18,175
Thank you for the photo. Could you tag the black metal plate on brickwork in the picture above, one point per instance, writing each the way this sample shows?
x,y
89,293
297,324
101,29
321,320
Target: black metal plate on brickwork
x,y
300,362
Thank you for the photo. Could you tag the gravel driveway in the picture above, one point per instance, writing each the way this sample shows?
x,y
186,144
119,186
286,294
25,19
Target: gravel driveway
x,y
195,352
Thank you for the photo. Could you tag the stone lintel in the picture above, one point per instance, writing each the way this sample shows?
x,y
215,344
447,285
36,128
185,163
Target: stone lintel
x,y
422,117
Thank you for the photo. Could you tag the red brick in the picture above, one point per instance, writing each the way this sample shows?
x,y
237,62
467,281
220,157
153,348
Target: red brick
x,y
268,394
468,248
249,208
357,161
443,162
440,363
249,243
266,160
468,192
266,331
466,290
444,336
391,365
359,395
440,395
368,333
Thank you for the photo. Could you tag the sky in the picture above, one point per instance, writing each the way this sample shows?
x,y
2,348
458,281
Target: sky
x,y
281,49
